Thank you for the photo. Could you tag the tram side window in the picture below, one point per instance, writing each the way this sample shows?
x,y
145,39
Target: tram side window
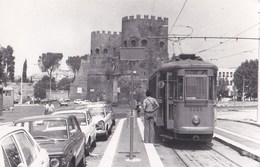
x,y
211,88
162,91
152,86
180,88
170,87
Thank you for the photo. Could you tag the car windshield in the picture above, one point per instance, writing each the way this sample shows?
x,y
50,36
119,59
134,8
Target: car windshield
x,y
49,129
80,116
97,111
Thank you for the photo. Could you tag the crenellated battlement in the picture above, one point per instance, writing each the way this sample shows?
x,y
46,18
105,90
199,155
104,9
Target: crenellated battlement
x,y
145,17
105,33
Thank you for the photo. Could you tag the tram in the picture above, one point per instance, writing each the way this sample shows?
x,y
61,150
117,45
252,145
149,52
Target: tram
x,y
185,88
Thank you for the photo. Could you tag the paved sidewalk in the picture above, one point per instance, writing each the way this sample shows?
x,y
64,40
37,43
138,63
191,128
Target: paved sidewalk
x,y
118,150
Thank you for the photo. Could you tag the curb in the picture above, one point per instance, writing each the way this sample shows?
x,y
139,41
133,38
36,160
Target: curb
x,y
244,151
247,122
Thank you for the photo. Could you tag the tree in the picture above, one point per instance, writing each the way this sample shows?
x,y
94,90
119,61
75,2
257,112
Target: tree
x,y
222,90
247,73
1,66
25,71
7,61
74,62
49,62
64,84
41,86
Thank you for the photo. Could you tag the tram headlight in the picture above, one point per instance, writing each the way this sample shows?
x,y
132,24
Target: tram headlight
x,y
195,120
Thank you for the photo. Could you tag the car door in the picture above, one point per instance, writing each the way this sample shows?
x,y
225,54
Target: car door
x,y
12,155
92,126
21,149
108,116
31,152
78,139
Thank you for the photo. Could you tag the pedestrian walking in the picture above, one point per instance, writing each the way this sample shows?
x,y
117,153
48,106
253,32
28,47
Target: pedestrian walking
x,y
150,105
49,108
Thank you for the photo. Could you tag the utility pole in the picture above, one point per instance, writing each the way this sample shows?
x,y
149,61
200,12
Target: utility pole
x,y
243,93
258,86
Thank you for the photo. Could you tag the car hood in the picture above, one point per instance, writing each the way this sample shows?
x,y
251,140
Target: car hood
x,y
54,146
97,118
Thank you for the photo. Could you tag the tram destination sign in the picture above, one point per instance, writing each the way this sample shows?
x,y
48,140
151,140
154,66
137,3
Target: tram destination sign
x,y
196,72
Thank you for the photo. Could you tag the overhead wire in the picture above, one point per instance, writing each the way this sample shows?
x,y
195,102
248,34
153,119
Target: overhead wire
x,y
153,6
234,54
204,50
178,15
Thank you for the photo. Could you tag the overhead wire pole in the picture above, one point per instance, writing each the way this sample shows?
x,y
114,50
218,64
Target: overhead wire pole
x,y
258,79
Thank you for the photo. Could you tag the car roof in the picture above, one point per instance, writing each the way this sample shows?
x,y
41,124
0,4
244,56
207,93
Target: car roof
x,y
70,111
9,129
42,117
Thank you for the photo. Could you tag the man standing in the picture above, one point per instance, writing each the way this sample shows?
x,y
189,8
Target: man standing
x,y
150,105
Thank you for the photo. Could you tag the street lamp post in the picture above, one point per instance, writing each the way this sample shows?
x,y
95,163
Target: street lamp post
x,y
258,88
132,54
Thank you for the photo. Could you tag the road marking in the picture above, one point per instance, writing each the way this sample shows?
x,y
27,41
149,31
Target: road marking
x,y
236,134
243,147
109,154
152,154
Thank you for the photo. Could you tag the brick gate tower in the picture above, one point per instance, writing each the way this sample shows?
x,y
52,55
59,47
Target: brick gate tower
x,y
139,32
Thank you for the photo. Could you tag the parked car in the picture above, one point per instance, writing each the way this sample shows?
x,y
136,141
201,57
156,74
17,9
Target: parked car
x,y
103,118
63,102
20,149
77,101
85,102
86,124
44,101
60,135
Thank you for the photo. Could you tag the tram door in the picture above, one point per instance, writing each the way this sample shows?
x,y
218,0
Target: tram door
x,y
170,106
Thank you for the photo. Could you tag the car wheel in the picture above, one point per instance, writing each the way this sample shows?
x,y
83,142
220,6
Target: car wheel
x,y
71,164
110,130
106,135
114,122
82,162
87,148
94,143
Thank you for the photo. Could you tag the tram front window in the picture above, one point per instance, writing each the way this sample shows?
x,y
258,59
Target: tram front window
x,y
196,88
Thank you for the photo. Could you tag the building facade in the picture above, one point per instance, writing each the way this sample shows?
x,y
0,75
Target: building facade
x,y
227,75
98,77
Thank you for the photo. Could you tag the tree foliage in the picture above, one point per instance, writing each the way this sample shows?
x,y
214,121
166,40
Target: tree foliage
x,y
247,71
7,63
222,90
124,83
41,86
1,66
64,84
25,79
49,62
74,62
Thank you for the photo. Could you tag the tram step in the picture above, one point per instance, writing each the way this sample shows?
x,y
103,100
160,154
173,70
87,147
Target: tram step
x,y
166,136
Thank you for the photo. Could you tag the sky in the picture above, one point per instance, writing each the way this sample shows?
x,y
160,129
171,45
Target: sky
x,y
33,27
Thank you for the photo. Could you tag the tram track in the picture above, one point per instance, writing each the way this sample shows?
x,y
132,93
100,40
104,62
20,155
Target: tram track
x,y
194,155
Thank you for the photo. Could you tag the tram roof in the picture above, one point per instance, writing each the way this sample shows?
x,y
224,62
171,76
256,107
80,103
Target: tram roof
x,y
186,63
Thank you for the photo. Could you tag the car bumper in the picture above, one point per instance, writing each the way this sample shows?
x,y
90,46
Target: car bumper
x,y
101,132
